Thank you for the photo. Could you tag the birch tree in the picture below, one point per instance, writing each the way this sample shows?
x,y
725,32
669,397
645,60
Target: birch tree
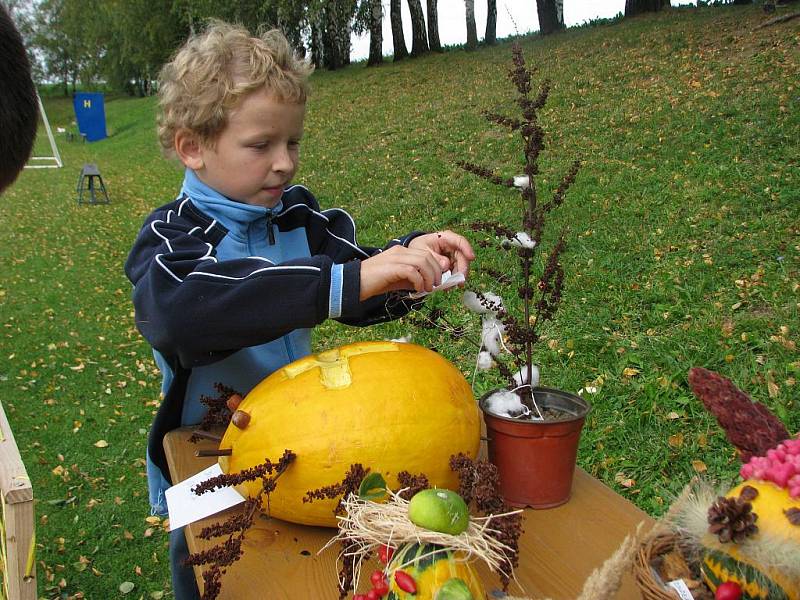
x,y
635,7
398,41
375,33
548,13
433,26
472,30
491,23
419,44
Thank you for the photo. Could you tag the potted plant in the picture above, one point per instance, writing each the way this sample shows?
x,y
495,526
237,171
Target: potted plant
x,y
533,432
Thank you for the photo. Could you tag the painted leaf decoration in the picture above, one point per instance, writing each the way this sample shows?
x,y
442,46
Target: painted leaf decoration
x,y
372,487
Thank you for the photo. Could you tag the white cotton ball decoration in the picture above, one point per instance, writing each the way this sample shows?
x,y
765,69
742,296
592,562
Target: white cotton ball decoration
x,y
492,335
521,376
484,361
471,301
504,403
522,181
523,240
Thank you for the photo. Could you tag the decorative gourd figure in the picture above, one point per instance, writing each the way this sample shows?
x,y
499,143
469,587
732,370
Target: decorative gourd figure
x,y
753,534
389,406
428,571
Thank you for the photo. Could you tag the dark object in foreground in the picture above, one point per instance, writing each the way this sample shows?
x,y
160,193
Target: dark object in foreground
x,y
18,104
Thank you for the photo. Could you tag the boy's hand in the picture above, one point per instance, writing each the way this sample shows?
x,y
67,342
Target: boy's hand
x,y
448,245
401,268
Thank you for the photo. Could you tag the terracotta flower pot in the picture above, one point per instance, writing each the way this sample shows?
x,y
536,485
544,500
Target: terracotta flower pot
x,y
536,459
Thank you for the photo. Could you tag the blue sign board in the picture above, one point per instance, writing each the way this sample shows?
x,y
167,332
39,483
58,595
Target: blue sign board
x,y
90,112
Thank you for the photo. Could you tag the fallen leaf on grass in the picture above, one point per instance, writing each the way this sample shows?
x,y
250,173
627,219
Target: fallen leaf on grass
x,y
699,466
630,372
624,480
676,441
101,444
126,587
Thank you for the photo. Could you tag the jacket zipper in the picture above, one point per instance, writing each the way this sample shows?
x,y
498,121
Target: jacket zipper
x,y
270,233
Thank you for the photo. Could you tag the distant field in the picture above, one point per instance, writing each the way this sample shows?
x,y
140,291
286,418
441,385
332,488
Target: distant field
x,y
684,249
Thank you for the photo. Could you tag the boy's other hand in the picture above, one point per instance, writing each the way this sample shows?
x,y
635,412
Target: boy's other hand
x,y
401,268
451,250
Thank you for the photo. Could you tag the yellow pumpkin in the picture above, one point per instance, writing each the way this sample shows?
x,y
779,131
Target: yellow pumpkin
x,y
389,406
739,563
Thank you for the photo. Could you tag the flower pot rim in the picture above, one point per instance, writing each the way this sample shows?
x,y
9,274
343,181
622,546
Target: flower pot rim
x,y
585,407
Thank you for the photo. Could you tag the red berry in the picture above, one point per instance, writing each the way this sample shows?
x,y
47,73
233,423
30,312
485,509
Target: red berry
x,y
359,597
385,553
728,591
381,588
372,595
377,577
405,582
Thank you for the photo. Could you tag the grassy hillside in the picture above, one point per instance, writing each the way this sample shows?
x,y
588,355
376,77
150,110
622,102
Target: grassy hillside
x,y
683,250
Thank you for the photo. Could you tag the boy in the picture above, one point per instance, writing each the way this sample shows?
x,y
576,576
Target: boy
x,y
230,278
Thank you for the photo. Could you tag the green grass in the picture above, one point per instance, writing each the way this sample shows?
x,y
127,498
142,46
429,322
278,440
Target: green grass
x,y
683,251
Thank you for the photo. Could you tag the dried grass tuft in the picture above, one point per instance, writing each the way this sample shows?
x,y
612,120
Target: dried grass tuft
x,y
367,525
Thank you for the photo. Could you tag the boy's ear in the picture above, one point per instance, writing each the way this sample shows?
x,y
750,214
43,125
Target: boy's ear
x,y
189,149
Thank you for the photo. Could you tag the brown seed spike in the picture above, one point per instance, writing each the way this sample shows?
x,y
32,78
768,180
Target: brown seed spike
x,y
233,401
241,419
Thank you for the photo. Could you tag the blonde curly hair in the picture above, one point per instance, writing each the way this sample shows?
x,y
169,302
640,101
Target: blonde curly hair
x,y
214,71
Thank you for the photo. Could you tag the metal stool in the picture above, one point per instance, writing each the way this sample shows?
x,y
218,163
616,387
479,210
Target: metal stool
x,y
88,173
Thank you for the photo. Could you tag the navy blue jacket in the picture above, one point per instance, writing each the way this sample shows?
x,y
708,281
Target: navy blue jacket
x,y
227,292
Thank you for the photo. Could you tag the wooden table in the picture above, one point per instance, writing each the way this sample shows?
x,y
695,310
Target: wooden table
x,y
558,550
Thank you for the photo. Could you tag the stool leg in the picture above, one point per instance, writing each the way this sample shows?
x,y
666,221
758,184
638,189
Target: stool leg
x,y
103,189
92,198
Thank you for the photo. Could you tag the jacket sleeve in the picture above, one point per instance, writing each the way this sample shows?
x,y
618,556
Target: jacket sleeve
x,y
191,306
339,241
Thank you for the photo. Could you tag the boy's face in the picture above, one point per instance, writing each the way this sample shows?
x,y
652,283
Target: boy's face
x,y
257,153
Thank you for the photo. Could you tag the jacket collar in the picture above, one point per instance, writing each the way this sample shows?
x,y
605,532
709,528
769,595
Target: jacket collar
x,y
232,214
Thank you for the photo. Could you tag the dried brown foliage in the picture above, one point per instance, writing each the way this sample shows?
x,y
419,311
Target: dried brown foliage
x,y
479,485
230,550
540,296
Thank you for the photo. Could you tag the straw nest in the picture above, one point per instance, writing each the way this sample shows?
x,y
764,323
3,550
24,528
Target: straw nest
x,y
366,525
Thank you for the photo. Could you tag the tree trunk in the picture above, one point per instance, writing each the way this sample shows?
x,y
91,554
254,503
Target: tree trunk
x,y
548,16
316,44
419,44
491,23
472,30
398,41
636,7
375,33
433,26
336,33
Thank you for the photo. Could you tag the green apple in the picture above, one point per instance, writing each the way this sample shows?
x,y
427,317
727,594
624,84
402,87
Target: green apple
x,y
439,509
454,589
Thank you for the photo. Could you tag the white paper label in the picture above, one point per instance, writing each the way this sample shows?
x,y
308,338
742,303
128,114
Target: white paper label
x,y
679,586
448,280
186,507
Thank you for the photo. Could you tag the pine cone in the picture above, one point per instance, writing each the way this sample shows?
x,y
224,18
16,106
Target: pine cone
x,y
731,519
